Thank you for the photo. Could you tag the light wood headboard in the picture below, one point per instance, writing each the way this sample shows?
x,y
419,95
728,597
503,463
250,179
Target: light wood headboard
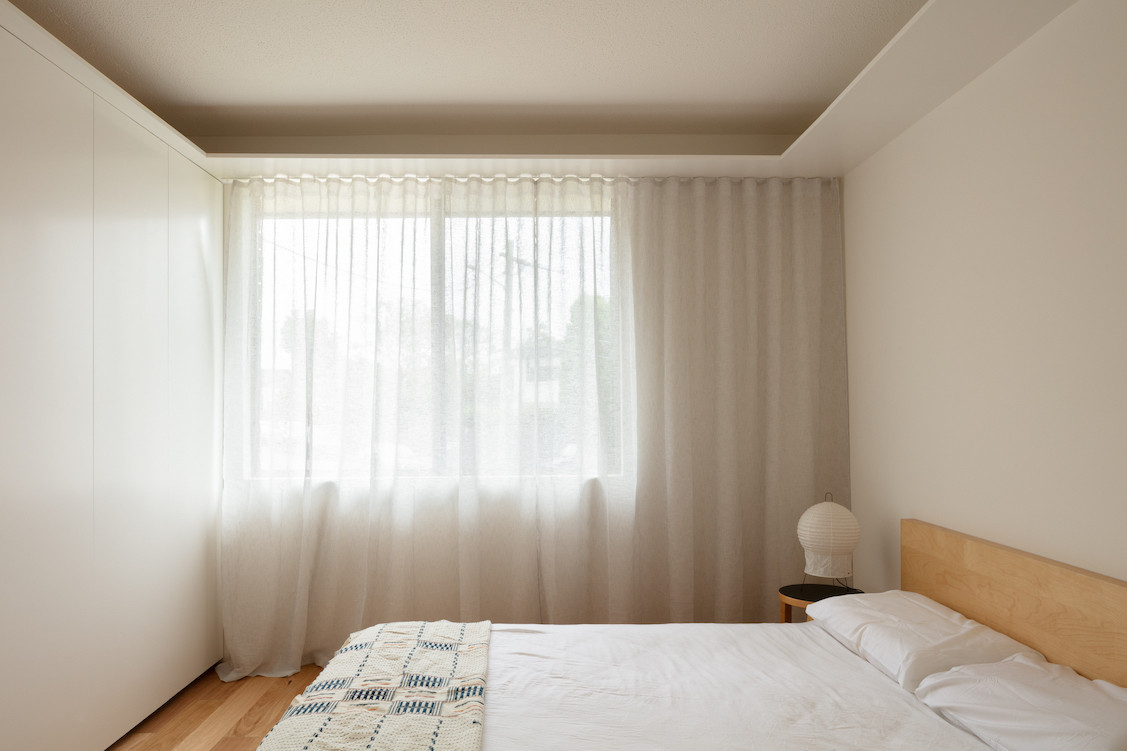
x,y
1072,616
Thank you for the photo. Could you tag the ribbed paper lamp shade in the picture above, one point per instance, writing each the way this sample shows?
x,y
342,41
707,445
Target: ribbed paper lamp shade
x,y
829,532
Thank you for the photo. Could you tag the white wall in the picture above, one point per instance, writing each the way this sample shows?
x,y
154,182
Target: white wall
x,y
986,281
110,280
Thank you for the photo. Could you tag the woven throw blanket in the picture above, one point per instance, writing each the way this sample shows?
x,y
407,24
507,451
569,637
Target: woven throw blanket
x,y
413,685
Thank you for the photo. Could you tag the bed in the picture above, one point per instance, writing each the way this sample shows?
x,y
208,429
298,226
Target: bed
x,y
898,670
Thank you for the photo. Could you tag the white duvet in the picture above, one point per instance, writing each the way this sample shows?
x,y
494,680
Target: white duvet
x,y
696,687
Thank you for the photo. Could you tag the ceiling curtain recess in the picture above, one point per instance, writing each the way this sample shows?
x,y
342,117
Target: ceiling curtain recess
x,y
524,400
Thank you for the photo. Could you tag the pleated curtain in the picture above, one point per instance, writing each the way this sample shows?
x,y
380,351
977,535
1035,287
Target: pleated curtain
x,y
741,385
522,399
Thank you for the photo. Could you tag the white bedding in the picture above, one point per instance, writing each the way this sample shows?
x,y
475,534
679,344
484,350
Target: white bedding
x,y
691,687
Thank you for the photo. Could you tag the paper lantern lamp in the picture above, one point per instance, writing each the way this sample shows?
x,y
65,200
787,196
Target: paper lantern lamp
x,y
829,533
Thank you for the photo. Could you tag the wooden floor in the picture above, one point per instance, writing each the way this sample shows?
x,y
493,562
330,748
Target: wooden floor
x,y
210,715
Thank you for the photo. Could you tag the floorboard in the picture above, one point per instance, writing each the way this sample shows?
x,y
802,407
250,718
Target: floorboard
x,y
210,715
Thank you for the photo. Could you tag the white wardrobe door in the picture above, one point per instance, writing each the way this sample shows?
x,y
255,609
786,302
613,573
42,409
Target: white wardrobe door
x,y
133,528
195,309
46,422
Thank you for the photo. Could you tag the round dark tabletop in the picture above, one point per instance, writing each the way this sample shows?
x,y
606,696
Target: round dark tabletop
x,y
815,592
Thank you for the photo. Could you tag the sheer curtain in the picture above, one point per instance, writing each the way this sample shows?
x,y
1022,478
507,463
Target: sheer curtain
x,y
528,400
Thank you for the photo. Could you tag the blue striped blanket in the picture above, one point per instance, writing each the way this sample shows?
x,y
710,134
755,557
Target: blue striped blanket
x,y
417,685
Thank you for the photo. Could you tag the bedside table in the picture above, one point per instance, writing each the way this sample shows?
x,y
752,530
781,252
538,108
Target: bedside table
x,y
801,595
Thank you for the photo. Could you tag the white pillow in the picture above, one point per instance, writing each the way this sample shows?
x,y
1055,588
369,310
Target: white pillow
x,y
1027,703
909,636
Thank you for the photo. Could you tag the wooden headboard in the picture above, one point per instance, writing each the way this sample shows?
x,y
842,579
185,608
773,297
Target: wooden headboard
x,y
1072,616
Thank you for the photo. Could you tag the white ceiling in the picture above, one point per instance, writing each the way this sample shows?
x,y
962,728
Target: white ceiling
x,y
332,68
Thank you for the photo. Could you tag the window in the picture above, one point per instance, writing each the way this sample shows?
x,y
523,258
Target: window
x,y
440,344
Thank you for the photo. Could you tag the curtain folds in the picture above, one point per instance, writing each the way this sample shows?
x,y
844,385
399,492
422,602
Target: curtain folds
x,y
742,393
527,400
